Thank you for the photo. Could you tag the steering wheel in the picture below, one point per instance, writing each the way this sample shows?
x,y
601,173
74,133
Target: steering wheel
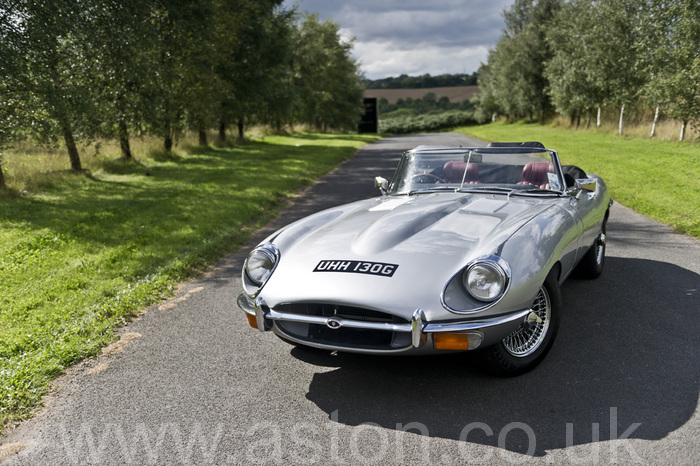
x,y
435,177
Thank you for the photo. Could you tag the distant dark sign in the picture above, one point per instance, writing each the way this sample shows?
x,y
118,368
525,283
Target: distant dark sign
x,y
369,119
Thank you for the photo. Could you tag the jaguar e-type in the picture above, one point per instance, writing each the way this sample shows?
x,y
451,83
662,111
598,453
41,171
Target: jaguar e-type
x,y
465,249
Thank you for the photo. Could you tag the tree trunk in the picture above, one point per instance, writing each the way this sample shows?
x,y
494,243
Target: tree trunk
x,y
683,126
588,119
572,119
168,140
621,126
202,134
222,131
124,140
493,117
75,164
653,126
578,119
241,129
597,124
2,177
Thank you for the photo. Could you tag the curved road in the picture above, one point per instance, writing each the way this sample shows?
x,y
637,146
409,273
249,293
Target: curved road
x,y
191,383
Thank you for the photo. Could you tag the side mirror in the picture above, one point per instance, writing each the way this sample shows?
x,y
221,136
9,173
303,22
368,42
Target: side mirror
x,y
583,185
589,185
381,184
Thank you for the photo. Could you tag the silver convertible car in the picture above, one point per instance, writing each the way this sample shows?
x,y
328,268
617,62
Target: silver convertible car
x,y
465,249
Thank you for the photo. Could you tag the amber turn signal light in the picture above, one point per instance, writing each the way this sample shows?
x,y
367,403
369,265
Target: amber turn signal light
x,y
252,321
451,341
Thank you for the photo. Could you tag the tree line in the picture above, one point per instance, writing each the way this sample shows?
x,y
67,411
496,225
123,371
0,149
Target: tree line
x,y
77,69
423,81
429,103
579,56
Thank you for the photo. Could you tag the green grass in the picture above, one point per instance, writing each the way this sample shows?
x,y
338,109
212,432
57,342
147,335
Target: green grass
x,y
85,253
659,179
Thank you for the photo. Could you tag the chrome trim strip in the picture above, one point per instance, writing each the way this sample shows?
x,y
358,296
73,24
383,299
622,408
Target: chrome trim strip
x,y
287,317
475,324
418,326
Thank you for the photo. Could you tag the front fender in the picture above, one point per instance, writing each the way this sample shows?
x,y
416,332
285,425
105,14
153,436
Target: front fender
x,y
531,252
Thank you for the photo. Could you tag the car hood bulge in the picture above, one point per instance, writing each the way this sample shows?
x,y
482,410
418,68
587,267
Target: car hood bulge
x,y
422,241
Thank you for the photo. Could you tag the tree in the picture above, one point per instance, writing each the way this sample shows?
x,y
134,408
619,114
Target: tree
x,y
486,106
262,80
618,64
672,38
119,71
516,76
328,79
10,70
54,68
573,85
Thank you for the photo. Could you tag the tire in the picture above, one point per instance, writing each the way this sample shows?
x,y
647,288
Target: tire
x,y
525,348
591,265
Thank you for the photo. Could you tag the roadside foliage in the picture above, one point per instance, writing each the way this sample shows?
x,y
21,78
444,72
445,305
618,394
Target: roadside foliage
x,y
579,57
85,255
74,70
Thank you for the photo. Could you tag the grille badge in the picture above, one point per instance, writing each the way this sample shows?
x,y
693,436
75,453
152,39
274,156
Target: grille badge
x,y
333,323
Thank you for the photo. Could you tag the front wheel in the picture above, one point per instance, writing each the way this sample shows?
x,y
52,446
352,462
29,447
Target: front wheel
x,y
527,346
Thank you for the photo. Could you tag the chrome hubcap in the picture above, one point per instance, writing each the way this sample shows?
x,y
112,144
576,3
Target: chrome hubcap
x,y
532,332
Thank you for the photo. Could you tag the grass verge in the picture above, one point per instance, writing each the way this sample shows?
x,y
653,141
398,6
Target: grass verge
x,y
84,254
659,179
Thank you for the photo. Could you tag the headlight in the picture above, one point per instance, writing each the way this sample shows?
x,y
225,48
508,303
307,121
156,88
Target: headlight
x,y
486,281
261,262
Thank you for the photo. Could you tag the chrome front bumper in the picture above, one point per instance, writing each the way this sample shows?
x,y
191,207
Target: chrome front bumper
x,y
419,328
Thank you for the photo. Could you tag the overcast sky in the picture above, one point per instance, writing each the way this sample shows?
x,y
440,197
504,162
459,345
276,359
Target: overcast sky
x,y
414,37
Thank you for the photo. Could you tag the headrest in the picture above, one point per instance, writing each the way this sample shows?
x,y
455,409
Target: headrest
x,y
454,171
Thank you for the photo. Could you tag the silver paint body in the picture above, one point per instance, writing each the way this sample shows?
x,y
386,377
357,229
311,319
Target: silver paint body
x,y
432,237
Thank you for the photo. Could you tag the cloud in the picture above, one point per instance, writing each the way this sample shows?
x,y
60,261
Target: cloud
x,y
415,36
380,59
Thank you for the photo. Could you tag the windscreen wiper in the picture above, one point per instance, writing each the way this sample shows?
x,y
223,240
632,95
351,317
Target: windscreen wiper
x,y
499,189
431,190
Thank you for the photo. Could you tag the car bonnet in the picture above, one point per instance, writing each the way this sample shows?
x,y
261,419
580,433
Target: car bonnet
x,y
392,253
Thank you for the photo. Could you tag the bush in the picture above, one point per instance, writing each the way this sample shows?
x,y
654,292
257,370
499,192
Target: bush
x,y
422,123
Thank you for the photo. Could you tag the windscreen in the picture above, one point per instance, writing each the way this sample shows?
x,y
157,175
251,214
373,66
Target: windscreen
x,y
519,169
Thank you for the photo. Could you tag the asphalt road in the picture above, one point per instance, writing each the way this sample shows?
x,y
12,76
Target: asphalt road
x,y
192,383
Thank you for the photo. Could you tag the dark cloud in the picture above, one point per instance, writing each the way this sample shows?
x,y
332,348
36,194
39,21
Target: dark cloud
x,y
415,36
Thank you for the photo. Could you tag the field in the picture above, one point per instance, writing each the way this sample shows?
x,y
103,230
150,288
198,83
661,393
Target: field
x,y
81,254
659,179
455,93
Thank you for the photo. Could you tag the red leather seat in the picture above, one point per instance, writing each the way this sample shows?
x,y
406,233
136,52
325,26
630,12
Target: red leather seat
x,y
535,173
452,172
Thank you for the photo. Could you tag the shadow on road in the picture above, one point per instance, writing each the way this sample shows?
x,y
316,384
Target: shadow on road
x,y
626,354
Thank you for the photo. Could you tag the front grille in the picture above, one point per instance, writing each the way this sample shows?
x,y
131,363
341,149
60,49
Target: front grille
x,y
343,337
334,310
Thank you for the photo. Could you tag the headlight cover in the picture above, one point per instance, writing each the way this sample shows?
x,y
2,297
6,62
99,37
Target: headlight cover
x,y
260,264
485,280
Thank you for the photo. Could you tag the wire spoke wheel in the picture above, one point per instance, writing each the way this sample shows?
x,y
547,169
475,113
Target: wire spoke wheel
x,y
531,333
